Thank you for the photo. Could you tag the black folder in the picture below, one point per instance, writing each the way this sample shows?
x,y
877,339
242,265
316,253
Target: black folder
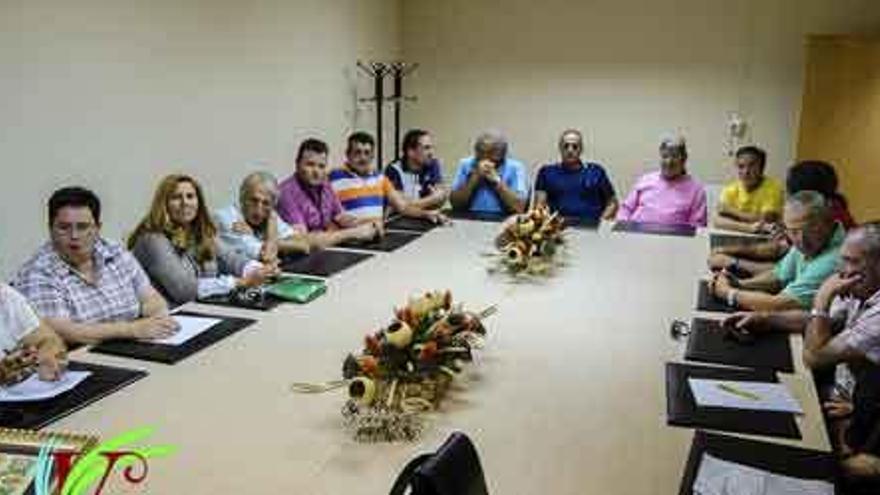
x,y
104,381
410,224
724,240
322,263
480,216
708,302
784,460
170,354
582,223
677,229
709,342
682,410
391,241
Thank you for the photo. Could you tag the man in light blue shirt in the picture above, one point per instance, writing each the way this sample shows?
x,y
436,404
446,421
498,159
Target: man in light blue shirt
x,y
490,181
253,228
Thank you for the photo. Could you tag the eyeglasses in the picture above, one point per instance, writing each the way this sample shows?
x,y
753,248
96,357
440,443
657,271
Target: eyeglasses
x,y
255,202
68,229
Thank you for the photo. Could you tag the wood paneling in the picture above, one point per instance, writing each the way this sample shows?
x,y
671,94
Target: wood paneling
x,y
840,119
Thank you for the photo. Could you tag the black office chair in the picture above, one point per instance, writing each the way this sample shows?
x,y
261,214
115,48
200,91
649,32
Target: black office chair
x,y
453,470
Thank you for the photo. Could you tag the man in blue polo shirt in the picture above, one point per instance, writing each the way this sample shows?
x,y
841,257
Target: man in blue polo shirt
x,y
575,188
490,181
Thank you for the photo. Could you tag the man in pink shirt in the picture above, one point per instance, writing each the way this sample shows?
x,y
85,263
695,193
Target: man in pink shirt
x,y
669,196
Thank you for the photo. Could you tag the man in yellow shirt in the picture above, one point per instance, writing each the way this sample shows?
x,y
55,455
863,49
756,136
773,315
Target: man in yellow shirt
x,y
753,203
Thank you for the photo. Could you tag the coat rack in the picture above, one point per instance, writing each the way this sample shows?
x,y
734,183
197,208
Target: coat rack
x,y
378,71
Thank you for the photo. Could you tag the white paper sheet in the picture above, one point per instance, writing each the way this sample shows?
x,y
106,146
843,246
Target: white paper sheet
x,y
35,389
744,395
190,326
719,477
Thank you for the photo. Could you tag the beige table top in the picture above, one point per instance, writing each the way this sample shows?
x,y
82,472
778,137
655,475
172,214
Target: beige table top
x,y
568,397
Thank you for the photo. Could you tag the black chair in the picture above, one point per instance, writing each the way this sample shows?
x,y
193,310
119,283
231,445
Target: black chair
x,y
453,470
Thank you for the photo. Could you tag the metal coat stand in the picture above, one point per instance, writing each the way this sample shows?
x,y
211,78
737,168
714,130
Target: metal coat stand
x,y
378,71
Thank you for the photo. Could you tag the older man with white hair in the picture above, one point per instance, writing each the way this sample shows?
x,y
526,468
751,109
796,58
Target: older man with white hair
x,y
252,227
793,282
667,196
490,181
844,328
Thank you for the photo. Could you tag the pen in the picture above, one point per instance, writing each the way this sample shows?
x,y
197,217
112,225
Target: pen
x,y
735,391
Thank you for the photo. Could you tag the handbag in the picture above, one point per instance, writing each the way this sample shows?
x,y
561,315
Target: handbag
x,y
453,470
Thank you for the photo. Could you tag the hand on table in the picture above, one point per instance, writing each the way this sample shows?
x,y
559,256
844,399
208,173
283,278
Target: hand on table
x,y
720,261
154,327
51,362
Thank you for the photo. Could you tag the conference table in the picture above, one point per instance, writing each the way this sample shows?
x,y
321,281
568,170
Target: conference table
x,y
567,397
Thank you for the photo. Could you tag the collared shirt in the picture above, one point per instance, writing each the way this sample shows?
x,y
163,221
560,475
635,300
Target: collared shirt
x,y
57,290
363,196
764,199
312,208
582,192
248,245
414,185
656,200
860,321
17,318
485,198
802,277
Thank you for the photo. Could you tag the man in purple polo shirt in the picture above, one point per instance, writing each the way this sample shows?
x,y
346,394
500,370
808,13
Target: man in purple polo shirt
x,y
309,204
669,196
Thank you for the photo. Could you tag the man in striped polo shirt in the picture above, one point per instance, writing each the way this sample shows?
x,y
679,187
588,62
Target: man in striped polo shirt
x,y
364,192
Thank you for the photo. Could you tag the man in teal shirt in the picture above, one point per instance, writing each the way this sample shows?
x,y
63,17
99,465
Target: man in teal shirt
x,y
816,239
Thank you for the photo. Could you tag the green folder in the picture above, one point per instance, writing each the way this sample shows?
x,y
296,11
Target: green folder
x,y
297,289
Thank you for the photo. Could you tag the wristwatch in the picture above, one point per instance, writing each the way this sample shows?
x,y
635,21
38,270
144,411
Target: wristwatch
x,y
731,298
819,313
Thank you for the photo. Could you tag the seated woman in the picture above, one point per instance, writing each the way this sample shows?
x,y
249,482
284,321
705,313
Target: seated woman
x,y
178,246
27,345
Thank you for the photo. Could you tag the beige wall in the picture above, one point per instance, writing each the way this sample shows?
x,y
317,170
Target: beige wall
x,y
624,71
112,94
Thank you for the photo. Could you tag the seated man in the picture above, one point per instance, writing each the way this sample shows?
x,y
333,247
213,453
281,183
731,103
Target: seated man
x,y
308,202
418,174
802,176
815,238
669,196
490,181
26,344
252,228
85,287
844,328
364,191
575,188
752,203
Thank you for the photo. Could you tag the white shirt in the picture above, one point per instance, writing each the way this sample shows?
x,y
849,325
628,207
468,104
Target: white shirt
x,y
17,318
247,244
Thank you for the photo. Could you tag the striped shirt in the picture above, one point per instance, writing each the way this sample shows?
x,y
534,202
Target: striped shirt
x,y
56,290
363,196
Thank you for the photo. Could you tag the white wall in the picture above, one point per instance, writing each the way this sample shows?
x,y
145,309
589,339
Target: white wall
x,y
112,94
624,71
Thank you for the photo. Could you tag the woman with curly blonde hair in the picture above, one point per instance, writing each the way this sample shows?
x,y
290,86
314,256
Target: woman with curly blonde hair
x,y
177,244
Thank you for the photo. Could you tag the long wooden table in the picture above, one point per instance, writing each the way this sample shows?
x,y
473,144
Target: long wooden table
x,y
568,396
